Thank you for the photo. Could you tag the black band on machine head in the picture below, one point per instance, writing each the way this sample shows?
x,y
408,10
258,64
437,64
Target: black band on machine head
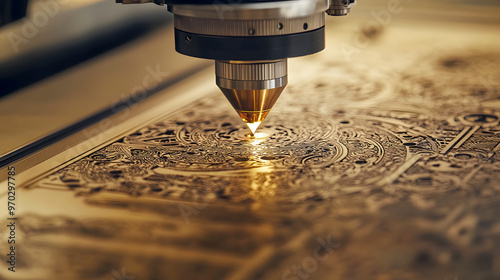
x,y
250,48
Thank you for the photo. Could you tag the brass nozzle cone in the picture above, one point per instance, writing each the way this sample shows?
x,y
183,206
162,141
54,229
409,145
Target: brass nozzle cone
x,y
253,106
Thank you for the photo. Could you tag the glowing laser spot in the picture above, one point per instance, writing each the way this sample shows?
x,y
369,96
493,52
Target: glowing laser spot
x,y
253,127
260,135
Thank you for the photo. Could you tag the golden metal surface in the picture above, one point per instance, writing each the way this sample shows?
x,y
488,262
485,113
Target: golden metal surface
x,y
380,161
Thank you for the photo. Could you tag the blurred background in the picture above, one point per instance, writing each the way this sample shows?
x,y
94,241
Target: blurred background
x,y
57,35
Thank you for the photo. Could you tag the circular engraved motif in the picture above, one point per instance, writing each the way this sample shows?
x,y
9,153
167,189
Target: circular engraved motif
x,y
480,119
190,154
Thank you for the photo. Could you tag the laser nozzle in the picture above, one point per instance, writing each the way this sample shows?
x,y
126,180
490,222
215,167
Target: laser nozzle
x,y
252,88
253,106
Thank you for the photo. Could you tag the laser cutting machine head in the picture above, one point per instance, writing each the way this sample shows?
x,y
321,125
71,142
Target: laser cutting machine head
x,y
250,42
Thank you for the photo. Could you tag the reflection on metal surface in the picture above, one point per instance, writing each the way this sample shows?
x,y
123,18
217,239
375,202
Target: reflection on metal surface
x,y
392,172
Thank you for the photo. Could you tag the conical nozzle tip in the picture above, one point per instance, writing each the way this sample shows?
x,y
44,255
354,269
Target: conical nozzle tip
x,y
253,126
253,106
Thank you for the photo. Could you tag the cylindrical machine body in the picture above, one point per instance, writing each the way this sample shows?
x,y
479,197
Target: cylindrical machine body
x,y
253,32
250,42
254,75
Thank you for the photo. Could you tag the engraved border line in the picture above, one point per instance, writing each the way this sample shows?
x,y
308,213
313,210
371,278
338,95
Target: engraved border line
x,y
455,140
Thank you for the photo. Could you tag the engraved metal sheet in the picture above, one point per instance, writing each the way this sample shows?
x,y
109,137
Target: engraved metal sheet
x,y
391,160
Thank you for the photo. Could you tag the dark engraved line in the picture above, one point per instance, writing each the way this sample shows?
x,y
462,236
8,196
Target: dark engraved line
x,y
402,169
495,150
455,140
469,135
